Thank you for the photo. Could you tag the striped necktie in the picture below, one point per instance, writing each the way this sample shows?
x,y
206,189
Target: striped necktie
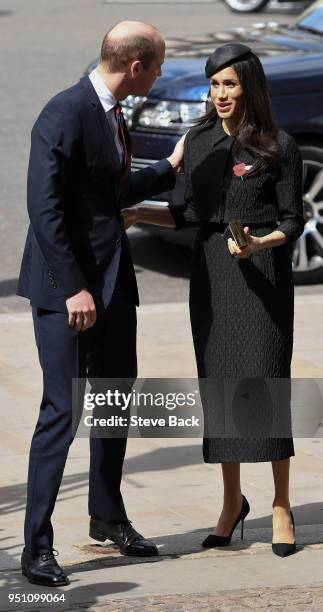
x,y
122,135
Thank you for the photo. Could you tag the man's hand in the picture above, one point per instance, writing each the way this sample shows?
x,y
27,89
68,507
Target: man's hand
x,y
81,310
254,244
176,158
130,216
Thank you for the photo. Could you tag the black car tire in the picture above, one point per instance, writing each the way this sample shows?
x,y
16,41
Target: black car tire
x,y
308,250
246,6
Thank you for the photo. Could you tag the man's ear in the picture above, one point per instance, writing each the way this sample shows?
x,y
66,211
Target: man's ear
x,y
135,68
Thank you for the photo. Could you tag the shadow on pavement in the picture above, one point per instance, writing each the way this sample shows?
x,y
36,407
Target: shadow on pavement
x,y
13,497
76,596
8,287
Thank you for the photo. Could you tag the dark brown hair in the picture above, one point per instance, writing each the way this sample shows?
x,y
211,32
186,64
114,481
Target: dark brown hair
x,y
116,53
257,131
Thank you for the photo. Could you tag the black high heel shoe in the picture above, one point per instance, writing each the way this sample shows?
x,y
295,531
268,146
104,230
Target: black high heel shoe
x,y
213,540
281,548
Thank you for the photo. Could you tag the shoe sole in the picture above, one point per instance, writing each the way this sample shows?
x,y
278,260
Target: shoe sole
x,y
136,554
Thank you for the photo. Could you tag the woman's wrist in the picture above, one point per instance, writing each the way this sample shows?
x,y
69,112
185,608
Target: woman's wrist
x,y
273,239
144,214
261,243
138,215
154,215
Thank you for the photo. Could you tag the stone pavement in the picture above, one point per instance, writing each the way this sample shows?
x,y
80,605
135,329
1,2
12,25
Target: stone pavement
x,y
290,598
170,494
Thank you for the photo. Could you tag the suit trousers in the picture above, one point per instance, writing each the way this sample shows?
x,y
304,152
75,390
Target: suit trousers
x,y
107,350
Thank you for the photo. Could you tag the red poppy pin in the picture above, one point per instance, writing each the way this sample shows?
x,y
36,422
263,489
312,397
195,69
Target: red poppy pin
x,y
240,169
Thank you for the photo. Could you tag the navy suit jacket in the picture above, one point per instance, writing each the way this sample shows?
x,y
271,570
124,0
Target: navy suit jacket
x,y
74,198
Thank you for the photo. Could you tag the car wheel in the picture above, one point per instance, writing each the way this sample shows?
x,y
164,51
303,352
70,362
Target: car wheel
x,y
308,250
246,6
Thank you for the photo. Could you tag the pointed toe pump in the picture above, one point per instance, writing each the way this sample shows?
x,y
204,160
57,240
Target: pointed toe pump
x,y
283,549
212,540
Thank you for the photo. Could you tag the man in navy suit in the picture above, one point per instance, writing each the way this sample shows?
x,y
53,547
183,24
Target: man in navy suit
x,y
78,273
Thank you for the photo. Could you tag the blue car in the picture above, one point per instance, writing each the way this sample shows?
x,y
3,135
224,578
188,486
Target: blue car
x,y
293,62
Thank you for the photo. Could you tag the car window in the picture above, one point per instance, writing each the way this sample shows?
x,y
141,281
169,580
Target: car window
x,y
312,20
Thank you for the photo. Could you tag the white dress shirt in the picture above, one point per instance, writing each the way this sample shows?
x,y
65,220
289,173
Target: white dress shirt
x,y
108,101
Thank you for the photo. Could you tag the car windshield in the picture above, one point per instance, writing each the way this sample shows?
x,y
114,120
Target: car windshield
x,y
312,19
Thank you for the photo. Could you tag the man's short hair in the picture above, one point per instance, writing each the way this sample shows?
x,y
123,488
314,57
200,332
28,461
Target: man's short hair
x,y
117,53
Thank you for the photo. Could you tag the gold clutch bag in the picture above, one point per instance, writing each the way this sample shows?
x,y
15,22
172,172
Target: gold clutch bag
x,y
236,232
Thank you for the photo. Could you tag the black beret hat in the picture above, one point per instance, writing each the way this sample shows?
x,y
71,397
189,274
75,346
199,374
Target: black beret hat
x,y
225,55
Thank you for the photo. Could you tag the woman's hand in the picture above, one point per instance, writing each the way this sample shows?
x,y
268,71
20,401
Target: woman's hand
x,y
130,216
254,245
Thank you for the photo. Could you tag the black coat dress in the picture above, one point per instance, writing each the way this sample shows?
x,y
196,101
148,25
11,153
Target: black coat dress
x,y
241,310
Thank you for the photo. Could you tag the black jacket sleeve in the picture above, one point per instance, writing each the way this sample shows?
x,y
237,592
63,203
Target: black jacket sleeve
x,y
289,193
53,143
149,181
184,215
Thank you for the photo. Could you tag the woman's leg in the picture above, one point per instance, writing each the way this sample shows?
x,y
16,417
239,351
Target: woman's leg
x,y
282,523
232,498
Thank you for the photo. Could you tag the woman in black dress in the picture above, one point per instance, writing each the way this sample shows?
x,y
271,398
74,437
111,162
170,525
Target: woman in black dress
x,y
239,166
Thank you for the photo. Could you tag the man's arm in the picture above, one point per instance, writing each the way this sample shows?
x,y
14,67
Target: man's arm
x,y
54,142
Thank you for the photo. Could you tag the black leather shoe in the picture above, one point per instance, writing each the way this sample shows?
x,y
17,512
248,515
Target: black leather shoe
x,y
43,569
129,541
283,549
213,540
